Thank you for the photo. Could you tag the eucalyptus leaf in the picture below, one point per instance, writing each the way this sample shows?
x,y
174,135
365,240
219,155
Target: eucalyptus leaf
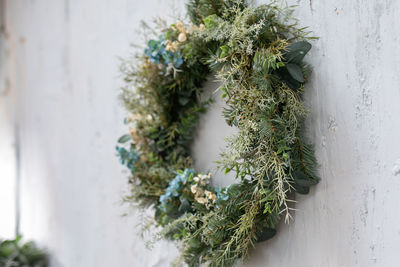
x,y
288,79
295,71
306,182
267,233
123,139
183,100
301,179
297,51
304,190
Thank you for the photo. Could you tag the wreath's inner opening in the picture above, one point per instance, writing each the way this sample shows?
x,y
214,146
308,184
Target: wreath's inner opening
x,y
209,139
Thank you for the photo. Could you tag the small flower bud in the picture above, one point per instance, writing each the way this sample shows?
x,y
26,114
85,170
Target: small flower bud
x,y
180,26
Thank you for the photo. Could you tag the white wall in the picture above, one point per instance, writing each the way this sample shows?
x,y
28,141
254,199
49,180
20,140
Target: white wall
x,y
66,78
7,137
67,81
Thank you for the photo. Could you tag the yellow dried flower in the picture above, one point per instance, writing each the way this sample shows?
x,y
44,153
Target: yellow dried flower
x,y
137,139
134,117
171,46
143,158
213,197
133,133
180,26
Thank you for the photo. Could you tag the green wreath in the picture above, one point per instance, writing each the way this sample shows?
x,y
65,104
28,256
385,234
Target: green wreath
x,y
257,54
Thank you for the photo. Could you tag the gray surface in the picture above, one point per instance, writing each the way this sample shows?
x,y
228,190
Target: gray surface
x,y
66,74
7,140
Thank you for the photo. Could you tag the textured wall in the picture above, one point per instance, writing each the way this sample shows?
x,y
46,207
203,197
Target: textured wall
x,y
66,55
66,75
7,137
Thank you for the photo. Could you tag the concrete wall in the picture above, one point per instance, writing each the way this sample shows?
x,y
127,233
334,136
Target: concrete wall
x,y
64,72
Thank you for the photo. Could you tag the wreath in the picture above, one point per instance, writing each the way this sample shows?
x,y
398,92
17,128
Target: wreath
x,y
257,54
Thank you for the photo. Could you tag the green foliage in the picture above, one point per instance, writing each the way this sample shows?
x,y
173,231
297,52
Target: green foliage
x,y
257,54
18,254
198,10
186,193
166,107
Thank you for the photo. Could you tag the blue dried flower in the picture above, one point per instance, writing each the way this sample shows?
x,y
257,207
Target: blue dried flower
x,y
222,193
175,187
158,54
128,157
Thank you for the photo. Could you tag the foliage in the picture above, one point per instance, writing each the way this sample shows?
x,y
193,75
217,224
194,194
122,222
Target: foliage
x,y
157,52
257,54
187,192
14,253
165,105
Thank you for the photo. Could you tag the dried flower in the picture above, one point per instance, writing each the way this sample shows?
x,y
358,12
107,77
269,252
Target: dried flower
x,y
213,197
182,37
193,188
133,133
180,26
171,46
202,176
143,158
202,200
134,117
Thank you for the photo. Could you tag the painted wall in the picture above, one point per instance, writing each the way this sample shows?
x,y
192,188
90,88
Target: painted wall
x,y
64,58
7,137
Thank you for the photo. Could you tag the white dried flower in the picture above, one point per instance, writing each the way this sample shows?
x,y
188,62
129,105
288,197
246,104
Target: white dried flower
x,y
202,200
182,37
202,176
193,188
